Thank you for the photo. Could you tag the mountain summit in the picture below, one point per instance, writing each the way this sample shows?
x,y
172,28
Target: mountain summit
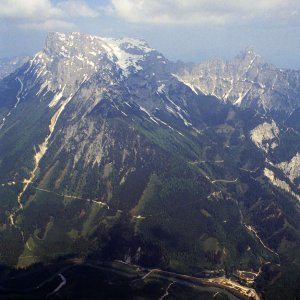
x,y
68,59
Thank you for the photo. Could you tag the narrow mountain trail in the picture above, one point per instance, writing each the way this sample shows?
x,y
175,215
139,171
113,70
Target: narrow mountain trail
x,y
223,180
213,181
166,294
60,286
249,171
61,195
18,97
251,229
149,273
206,162
254,232
72,197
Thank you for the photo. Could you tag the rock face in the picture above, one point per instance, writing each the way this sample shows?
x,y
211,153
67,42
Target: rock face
x,y
266,136
70,59
272,140
283,185
105,151
246,81
291,168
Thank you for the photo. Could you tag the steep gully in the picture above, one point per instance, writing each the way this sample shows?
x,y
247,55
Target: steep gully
x,y
42,149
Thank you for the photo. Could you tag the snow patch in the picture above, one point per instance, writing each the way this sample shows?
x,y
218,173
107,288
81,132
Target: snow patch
x,y
147,113
116,48
45,84
57,98
160,89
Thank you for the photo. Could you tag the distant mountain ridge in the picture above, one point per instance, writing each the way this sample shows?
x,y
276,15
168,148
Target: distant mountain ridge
x,y
9,65
246,81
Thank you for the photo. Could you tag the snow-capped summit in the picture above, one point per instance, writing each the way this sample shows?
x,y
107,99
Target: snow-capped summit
x,y
69,59
125,52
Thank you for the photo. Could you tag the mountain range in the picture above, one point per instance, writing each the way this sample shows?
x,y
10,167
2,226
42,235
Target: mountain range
x,y
109,151
9,65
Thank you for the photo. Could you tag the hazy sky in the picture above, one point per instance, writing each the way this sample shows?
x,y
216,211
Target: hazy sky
x,y
190,30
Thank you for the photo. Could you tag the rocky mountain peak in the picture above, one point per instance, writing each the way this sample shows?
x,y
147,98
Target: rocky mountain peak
x,y
246,80
69,59
126,53
248,53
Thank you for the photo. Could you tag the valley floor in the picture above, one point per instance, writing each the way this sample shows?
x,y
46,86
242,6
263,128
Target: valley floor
x,y
59,283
